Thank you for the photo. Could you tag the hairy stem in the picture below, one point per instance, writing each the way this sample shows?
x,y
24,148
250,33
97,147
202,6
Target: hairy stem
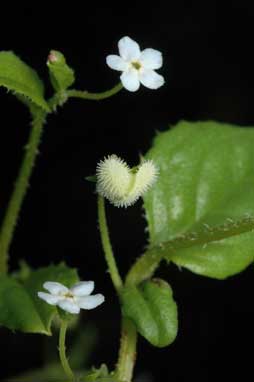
x,y
20,188
144,267
94,96
22,182
109,256
127,351
62,353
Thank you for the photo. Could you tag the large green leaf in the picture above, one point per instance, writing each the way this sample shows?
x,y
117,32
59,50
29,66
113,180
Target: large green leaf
x,y
206,180
21,308
18,77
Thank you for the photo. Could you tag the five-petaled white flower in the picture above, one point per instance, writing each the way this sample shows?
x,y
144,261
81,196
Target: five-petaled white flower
x,y
121,185
73,299
137,67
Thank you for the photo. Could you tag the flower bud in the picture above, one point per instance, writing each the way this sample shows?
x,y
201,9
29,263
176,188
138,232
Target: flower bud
x,y
61,75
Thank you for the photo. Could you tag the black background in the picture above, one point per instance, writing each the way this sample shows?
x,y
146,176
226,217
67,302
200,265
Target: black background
x,y
208,67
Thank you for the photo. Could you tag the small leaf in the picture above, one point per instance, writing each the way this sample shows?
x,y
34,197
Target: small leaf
x,y
99,375
206,179
152,308
61,75
23,272
18,77
21,308
91,178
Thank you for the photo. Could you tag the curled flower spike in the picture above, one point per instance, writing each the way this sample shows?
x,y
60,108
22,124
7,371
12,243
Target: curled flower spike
x,y
73,299
136,66
121,185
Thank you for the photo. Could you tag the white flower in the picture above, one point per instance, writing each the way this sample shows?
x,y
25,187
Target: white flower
x,y
137,67
121,185
73,299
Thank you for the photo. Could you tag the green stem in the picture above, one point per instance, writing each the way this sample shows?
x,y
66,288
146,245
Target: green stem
x,y
58,99
20,188
94,96
62,354
22,182
127,352
144,267
109,256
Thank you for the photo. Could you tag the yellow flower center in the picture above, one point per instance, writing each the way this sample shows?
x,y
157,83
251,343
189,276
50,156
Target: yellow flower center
x,y
136,65
68,295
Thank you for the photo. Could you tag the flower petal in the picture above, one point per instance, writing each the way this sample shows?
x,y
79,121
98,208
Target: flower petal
x,y
69,306
83,288
49,298
55,288
151,79
130,80
129,50
151,58
90,302
116,62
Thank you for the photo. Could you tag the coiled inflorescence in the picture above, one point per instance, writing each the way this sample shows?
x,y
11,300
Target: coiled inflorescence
x,y
121,185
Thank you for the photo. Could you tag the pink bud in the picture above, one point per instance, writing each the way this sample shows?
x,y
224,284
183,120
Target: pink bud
x,y
52,57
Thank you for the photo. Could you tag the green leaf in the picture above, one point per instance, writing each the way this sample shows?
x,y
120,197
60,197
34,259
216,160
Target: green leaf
x,y
61,75
206,180
101,374
23,272
152,308
21,308
18,77
17,310
91,178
